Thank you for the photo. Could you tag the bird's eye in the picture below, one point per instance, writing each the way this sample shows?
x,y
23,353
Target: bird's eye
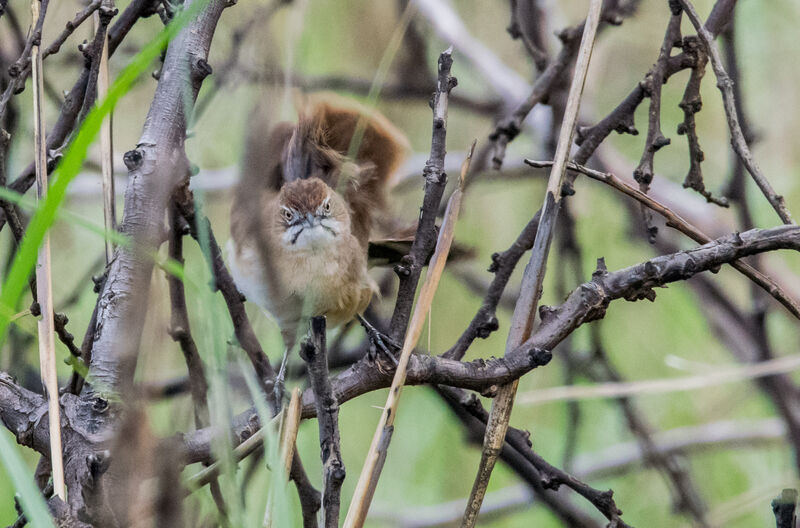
x,y
287,214
326,208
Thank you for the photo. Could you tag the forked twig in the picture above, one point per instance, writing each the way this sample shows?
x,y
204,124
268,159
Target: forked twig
x,y
370,473
525,310
738,141
47,345
676,221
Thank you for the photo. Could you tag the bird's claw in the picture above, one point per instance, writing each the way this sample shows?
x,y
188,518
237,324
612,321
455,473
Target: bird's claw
x,y
379,343
280,380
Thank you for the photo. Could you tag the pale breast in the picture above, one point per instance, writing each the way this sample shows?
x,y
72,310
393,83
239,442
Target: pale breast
x,y
330,281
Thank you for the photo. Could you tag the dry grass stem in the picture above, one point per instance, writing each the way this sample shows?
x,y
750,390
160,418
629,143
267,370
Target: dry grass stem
x,y
719,376
106,147
525,310
44,290
370,473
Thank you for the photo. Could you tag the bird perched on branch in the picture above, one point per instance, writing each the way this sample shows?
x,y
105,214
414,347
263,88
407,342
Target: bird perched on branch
x,y
301,220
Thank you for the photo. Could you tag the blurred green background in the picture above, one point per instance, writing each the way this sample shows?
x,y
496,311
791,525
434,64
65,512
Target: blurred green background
x,y
430,461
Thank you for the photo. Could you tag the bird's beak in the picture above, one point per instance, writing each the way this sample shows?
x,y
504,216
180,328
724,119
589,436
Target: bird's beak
x,y
310,220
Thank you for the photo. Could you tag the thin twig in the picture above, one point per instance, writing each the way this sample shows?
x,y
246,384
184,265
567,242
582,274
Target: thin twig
x,y
180,330
738,141
676,221
719,376
545,475
691,103
410,267
525,311
652,84
370,473
73,102
510,127
223,281
33,40
47,346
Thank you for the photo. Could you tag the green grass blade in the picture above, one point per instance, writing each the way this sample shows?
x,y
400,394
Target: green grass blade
x,y
118,239
30,497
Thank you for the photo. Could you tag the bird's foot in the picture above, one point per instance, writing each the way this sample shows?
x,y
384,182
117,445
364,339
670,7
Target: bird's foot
x,y
280,380
379,342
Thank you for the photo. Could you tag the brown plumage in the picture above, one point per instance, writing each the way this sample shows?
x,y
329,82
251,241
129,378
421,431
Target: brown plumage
x,y
302,215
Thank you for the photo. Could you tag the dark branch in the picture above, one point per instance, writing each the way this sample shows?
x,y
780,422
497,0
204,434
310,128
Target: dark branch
x,y
410,267
314,352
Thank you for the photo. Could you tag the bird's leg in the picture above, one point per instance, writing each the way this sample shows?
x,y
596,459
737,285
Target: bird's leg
x,y
281,378
378,341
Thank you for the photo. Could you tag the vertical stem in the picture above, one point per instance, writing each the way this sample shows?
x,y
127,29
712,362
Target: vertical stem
x,y
784,507
530,291
106,143
47,352
314,352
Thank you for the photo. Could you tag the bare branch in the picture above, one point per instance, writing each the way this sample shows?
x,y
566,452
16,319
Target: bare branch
x,y
738,141
674,220
180,330
314,352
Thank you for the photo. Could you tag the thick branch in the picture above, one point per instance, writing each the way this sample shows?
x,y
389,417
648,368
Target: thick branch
x,y
156,166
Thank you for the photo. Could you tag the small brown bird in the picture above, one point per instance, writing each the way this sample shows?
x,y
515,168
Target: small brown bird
x,y
301,221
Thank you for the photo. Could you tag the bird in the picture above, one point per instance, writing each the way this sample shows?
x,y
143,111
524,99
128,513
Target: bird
x,y
302,215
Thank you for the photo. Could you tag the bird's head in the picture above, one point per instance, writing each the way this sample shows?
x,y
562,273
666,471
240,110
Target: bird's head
x,y
310,215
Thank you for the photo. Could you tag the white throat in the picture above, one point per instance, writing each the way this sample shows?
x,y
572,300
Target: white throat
x,y
312,235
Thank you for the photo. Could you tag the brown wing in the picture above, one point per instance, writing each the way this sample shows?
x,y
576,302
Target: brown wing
x,y
389,251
